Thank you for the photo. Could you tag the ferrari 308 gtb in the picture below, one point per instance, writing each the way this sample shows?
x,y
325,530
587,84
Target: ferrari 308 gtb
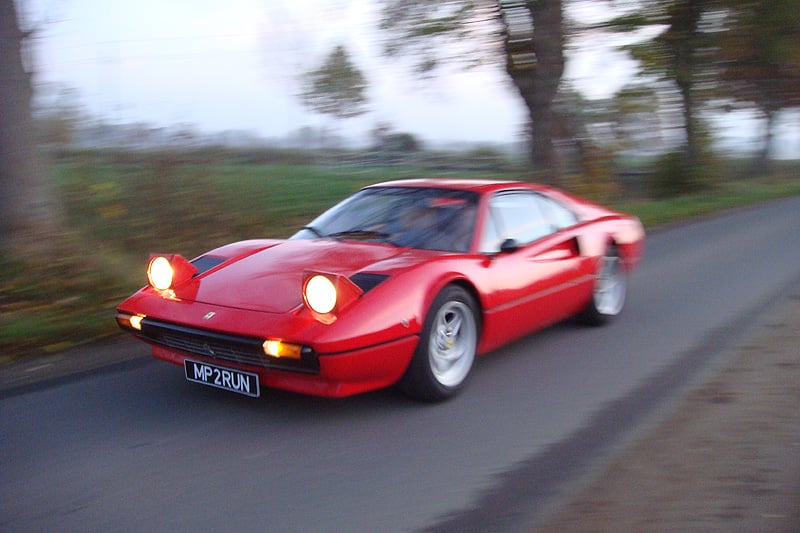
x,y
404,283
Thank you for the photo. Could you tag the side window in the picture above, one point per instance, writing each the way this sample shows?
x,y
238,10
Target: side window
x,y
514,215
558,215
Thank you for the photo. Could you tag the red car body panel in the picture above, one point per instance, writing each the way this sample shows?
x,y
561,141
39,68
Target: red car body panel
x,y
267,280
256,292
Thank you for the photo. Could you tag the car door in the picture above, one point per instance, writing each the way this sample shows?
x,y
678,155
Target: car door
x,y
536,273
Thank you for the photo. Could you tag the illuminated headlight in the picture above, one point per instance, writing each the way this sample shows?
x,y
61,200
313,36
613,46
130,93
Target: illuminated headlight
x,y
320,294
167,271
160,273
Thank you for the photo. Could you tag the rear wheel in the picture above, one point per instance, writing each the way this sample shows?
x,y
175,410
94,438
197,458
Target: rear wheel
x,y
610,290
446,350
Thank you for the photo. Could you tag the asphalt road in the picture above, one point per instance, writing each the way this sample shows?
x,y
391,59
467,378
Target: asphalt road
x,y
138,448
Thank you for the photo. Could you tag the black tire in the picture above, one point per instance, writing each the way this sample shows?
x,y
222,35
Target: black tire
x,y
610,290
446,349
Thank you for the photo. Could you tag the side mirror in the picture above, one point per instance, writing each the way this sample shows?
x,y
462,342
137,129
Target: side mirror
x,y
509,246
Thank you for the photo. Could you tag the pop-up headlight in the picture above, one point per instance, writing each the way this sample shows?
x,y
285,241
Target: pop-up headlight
x,y
166,271
320,294
328,294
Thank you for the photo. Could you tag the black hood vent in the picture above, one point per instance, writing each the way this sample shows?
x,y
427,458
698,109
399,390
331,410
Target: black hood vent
x,y
366,281
206,263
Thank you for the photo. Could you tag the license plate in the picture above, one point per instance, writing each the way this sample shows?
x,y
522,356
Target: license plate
x,y
222,378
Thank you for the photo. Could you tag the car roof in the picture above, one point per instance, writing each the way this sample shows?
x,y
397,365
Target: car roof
x,y
585,209
477,185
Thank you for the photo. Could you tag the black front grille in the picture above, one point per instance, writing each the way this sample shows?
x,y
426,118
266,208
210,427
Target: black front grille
x,y
223,347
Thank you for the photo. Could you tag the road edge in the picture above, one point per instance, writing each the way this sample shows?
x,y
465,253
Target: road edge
x,y
96,358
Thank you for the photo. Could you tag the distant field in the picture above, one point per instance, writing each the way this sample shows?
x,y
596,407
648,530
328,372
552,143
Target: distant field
x,y
170,202
121,207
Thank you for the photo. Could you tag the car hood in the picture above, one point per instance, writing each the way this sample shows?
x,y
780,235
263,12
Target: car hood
x,y
270,280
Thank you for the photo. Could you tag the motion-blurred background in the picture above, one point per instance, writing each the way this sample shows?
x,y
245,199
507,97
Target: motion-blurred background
x,y
130,128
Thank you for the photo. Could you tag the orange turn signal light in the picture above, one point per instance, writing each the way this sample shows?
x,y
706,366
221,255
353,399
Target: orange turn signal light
x,y
276,348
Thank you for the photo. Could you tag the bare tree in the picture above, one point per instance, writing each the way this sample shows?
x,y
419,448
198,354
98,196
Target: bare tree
x,y
760,59
680,54
526,36
29,214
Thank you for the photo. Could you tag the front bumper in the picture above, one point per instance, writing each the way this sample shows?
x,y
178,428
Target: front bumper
x,y
328,375
220,347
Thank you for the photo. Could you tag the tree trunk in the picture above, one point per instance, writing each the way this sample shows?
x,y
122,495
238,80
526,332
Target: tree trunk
x,y
762,162
28,212
535,62
683,38
692,155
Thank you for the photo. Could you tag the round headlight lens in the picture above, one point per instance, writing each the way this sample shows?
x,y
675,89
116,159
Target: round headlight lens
x,y
320,294
160,273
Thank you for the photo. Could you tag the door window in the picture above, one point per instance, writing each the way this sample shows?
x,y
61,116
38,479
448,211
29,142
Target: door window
x,y
517,215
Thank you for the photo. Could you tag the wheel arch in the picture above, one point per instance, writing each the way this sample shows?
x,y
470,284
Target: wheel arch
x,y
462,281
473,291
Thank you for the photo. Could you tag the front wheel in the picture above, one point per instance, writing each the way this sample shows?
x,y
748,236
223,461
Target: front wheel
x,y
610,290
446,349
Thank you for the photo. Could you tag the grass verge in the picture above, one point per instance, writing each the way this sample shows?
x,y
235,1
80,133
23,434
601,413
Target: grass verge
x,y
119,211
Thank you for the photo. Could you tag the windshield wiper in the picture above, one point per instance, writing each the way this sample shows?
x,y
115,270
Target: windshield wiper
x,y
359,233
315,231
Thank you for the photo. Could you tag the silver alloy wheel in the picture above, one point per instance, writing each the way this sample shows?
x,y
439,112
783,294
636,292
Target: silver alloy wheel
x,y
610,287
453,339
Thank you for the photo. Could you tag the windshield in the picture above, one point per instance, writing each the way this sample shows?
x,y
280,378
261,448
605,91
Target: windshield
x,y
431,219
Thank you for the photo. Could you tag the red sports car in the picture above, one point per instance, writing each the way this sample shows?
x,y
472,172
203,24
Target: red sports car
x,y
405,282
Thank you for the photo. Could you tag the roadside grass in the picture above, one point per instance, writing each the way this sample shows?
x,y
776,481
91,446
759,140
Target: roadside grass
x,y
727,195
121,209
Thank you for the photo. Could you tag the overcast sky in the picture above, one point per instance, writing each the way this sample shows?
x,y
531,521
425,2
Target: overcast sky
x,y
234,65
